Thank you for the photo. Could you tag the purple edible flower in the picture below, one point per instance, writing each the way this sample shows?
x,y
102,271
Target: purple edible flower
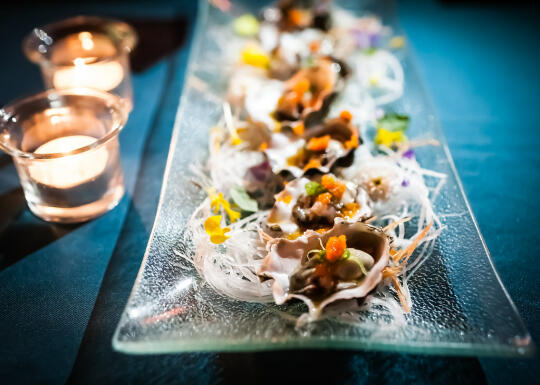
x,y
374,40
260,171
365,39
409,154
405,182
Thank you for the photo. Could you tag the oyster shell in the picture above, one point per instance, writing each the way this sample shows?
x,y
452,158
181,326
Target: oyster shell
x,y
289,51
294,211
288,152
287,259
379,176
310,90
312,14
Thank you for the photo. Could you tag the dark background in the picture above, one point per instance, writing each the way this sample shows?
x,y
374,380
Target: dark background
x,y
479,61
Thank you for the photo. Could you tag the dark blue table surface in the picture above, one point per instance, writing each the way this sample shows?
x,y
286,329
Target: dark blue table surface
x,y
62,289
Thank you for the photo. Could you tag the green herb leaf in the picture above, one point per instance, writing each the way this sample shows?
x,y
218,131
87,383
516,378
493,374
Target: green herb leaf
x,y
370,51
243,200
317,254
246,25
394,122
314,188
346,254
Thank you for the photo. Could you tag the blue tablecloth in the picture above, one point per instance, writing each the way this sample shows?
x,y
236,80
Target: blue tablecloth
x,y
60,303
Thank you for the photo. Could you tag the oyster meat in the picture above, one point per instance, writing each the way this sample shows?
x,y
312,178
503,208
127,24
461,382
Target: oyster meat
x,y
300,271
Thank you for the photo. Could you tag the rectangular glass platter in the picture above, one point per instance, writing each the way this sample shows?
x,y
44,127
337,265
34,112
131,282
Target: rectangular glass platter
x,y
460,306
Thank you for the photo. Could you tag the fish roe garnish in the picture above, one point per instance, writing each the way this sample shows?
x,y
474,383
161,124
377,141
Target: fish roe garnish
x,y
335,187
324,198
301,87
335,247
296,16
321,270
319,144
350,209
353,142
322,230
313,163
345,115
298,129
315,46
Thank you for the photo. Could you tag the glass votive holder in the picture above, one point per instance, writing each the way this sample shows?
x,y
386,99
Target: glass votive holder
x,y
84,51
64,144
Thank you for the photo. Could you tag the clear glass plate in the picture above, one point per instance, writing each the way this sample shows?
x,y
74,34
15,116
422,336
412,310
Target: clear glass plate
x,y
460,306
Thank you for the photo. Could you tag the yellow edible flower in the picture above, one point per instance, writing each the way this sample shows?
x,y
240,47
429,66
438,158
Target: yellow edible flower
x,y
235,138
397,42
277,125
212,226
387,138
214,130
373,80
217,201
253,55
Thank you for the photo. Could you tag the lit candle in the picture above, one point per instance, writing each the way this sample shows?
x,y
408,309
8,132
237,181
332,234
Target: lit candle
x,y
80,58
69,171
65,147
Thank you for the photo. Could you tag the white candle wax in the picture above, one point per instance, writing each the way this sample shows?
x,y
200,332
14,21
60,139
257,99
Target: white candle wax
x,y
85,53
103,76
71,170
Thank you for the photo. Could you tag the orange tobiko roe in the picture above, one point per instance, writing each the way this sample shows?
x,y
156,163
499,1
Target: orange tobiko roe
x,y
301,87
313,163
295,16
335,247
318,144
314,46
331,184
322,230
350,209
324,198
321,270
353,142
299,129
345,115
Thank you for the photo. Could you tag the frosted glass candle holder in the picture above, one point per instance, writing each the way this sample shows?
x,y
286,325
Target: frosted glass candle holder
x,y
64,144
84,51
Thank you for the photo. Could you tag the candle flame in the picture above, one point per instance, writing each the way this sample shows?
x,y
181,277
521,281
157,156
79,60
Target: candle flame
x,y
79,61
86,40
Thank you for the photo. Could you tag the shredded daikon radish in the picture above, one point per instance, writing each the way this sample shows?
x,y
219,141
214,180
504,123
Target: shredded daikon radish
x,y
404,204
229,268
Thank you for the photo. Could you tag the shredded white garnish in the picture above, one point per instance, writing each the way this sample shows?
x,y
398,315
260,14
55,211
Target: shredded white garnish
x,y
404,202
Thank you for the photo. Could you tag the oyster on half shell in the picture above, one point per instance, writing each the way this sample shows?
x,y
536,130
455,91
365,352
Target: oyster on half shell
x,y
295,210
307,94
290,263
294,153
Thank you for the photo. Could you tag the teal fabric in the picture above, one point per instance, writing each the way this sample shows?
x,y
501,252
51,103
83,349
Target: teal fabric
x,y
48,296
480,65
59,307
